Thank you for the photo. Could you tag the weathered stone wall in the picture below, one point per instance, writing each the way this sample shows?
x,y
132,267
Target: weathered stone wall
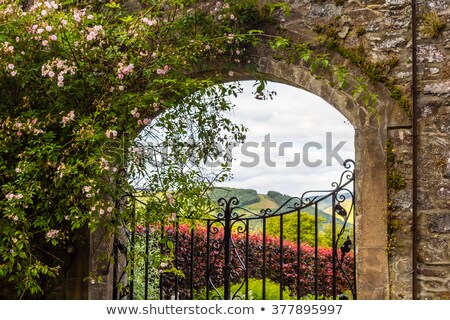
x,y
434,161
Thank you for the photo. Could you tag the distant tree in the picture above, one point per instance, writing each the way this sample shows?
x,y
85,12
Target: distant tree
x,y
278,198
246,196
307,229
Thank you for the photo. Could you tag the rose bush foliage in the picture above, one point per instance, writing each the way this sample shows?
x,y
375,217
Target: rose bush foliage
x,y
78,81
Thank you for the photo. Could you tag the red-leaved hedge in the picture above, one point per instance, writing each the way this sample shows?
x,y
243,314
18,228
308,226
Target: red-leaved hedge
x,y
289,271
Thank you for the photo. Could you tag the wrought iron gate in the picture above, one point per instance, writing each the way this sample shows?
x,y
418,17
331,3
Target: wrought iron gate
x,y
240,254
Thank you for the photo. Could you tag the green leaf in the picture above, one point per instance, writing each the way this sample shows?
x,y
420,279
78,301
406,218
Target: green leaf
x,y
113,5
170,245
279,43
280,5
127,19
255,31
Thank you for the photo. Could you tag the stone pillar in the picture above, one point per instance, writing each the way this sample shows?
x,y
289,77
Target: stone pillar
x,y
78,269
101,265
371,199
90,274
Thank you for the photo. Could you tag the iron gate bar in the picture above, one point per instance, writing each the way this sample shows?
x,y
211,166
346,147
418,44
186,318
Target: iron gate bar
x,y
243,229
115,270
316,252
147,262
281,257
299,267
333,204
177,236
247,234
132,263
191,276
264,257
353,211
208,272
227,266
161,279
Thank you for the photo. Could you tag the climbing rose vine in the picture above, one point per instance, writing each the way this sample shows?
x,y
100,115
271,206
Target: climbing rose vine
x,y
78,81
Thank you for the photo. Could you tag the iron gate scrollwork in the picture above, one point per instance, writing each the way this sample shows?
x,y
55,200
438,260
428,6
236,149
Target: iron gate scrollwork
x,y
229,253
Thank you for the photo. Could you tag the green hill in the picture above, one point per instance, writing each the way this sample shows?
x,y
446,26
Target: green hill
x,y
249,199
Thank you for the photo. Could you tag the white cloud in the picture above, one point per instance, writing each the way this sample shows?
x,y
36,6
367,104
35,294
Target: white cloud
x,y
294,116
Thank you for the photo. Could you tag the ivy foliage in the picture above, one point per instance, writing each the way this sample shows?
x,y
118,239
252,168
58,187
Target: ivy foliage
x,y
79,80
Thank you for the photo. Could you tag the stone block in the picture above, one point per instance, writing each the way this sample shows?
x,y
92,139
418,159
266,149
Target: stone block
x,y
429,271
440,89
439,223
372,267
395,4
434,250
437,5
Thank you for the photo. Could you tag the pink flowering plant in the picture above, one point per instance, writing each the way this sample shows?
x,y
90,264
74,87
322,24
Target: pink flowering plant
x,y
79,81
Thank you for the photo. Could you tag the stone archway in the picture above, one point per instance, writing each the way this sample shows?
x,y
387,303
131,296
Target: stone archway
x,y
371,174
371,134
373,267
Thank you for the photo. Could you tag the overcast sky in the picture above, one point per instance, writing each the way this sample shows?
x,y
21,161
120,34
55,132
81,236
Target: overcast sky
x,y
293,116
